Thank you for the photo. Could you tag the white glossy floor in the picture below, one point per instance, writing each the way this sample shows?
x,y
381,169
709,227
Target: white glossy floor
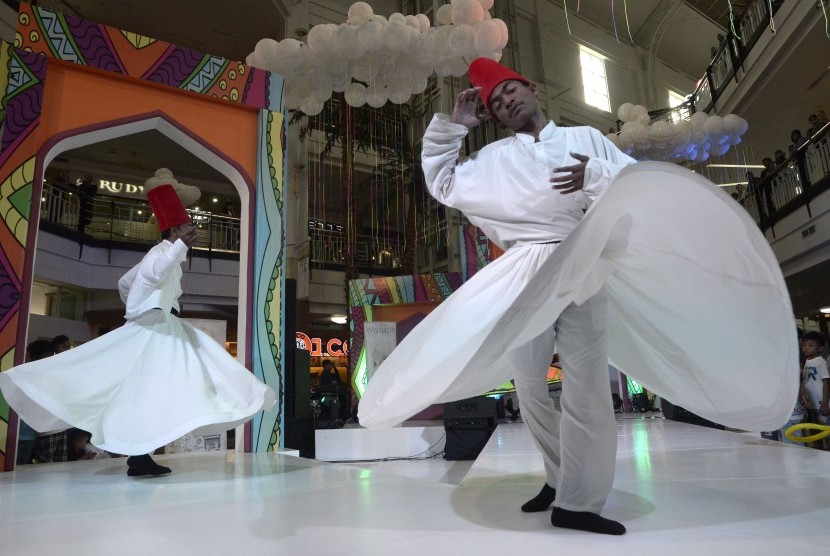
x,y
680,490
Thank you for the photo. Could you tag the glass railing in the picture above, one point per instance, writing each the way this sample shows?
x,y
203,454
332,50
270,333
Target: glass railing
x,y
127,222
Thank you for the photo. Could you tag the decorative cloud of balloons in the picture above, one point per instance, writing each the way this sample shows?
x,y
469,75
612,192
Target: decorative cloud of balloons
x,y
695,139
373,59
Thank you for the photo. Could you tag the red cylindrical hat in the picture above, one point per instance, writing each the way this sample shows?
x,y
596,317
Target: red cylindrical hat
x,y
167,207
487,74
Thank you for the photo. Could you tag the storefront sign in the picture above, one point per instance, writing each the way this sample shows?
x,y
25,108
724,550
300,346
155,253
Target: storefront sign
x,y
118,187
335,347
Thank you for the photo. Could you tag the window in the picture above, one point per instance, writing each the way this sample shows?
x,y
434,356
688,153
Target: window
x,y
676,99
593,79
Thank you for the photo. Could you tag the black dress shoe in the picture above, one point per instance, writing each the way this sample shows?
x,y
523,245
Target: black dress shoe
x,y
139,466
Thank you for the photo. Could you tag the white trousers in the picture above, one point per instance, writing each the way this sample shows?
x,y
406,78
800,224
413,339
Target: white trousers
x,y
578,444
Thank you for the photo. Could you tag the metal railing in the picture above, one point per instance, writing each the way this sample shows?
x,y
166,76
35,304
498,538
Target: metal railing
x,y
329,248
792,184
732,53
127,221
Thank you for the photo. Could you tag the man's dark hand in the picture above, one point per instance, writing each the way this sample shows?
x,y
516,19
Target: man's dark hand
x,y
466,106
574,180
187,233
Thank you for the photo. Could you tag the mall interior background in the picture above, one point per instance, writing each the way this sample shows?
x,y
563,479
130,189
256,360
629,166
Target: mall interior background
x,y
664,51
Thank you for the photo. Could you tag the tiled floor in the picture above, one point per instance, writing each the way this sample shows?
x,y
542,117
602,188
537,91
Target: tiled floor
x,y
679,489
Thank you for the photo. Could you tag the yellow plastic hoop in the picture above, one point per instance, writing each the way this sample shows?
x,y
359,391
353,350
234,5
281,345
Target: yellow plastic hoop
x,y
825,432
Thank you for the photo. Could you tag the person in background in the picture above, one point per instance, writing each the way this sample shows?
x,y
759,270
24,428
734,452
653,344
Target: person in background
x,y
797,139
61,343
815,378
27,436
146,383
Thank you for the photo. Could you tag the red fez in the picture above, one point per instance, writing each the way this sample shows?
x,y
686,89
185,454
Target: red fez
x,y
487,74
167,207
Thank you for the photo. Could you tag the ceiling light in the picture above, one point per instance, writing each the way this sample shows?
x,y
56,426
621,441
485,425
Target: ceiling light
x,y
338,319
734,165
732,183
215,200
825,310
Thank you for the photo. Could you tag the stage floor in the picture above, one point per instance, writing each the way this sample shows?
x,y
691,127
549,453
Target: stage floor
x,y
679,489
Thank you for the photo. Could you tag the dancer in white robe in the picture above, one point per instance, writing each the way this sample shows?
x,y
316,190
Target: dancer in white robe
x,y
149,382
664,269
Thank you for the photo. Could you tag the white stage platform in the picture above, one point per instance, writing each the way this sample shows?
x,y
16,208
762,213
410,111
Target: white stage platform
x,y
353,443
679,489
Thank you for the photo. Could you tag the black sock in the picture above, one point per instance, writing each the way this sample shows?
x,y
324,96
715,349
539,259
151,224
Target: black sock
x,y
144,465
541,501
585,521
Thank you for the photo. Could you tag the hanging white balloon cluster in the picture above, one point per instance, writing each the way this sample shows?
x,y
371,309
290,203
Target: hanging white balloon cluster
x,y
373,59
695,139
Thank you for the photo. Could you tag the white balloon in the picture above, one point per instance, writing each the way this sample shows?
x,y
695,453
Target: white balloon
x,y
639,133
398,96
487,36
504,33
423,21
371,36
397,19
459,67
462,40
714,126
359,13
467,12
722,149
444,15
661,132
624,111
638,111
486,4
340,82
397,37
697,120
355,94
312,107
744,127
376,99
345,38
321,37
731,124
624,140
254,60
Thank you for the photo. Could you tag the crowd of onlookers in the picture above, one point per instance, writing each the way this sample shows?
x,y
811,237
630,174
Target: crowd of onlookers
x,y
817,121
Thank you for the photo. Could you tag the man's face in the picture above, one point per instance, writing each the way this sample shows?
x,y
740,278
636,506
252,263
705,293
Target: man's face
x,y
810,348
513,104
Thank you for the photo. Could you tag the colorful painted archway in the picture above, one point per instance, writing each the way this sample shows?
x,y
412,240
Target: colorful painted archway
x,y
69,79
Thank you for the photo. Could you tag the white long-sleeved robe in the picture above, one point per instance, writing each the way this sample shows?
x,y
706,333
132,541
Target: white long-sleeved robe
x,y
146,383
698,309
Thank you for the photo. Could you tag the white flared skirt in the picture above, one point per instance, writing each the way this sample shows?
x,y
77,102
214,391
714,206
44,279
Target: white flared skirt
x,y
698,309
138,387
